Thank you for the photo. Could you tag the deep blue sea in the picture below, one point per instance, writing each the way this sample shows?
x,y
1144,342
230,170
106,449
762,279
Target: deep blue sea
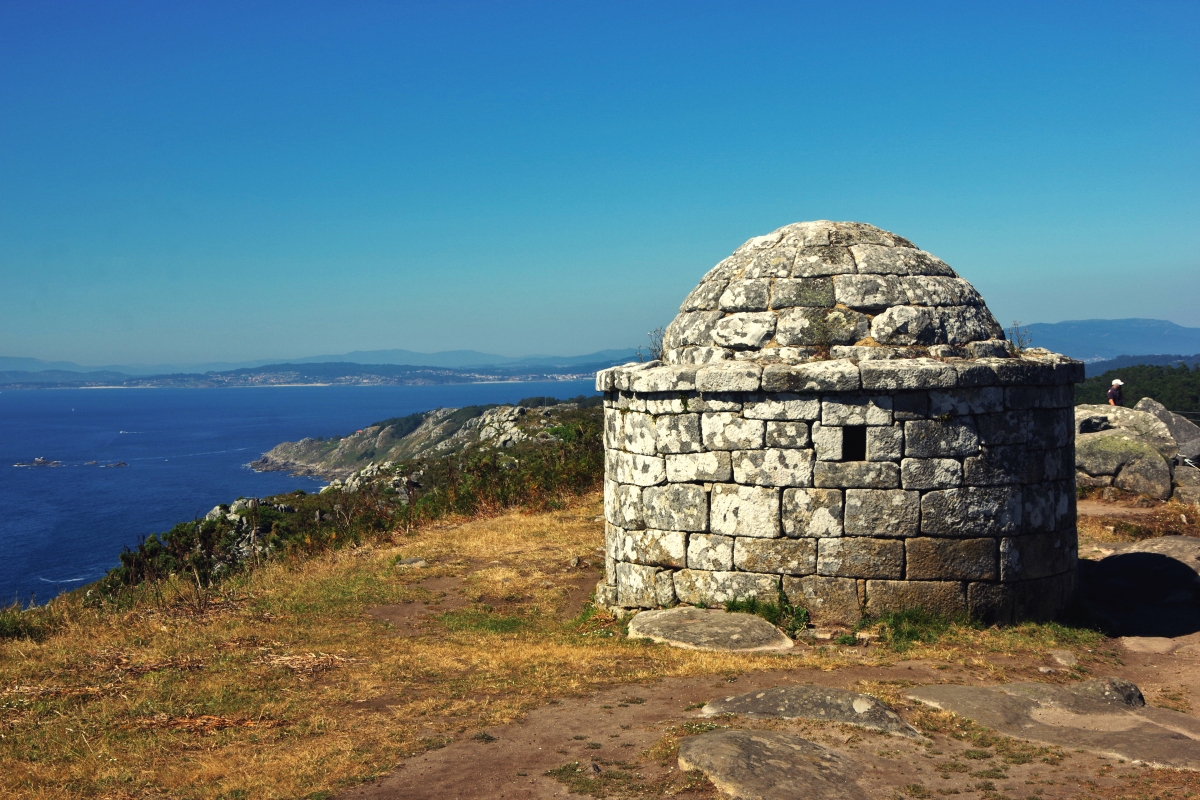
x,y
186,451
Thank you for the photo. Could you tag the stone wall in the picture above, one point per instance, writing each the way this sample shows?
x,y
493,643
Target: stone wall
x,y
728,481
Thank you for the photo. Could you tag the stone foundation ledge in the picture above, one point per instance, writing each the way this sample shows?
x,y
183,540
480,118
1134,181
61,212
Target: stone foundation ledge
x,y
845,601
842,375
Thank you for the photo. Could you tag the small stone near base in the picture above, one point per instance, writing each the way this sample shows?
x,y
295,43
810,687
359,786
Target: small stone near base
x,y
769,765
708,629
812,702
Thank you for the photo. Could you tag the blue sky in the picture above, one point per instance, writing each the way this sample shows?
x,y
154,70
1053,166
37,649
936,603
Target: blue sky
x,y
258,180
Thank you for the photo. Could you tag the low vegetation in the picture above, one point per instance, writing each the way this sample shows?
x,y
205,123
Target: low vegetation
x,y
1177,388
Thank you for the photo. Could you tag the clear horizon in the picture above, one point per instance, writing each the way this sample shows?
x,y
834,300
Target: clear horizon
x,y
211,183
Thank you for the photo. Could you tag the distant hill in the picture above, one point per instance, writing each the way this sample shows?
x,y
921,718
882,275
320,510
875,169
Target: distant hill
x,y
450,359
1102,339
1123,362
335,373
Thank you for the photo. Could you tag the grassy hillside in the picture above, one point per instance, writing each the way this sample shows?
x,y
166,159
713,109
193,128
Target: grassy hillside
x,y
1177,388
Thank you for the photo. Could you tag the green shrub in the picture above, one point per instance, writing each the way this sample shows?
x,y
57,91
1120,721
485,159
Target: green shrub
x,y
783,615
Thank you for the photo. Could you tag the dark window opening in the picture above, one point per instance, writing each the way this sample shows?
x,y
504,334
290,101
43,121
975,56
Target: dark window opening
x,y
854,443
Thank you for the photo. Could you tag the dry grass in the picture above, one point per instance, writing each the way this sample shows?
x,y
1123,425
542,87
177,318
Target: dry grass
x,y
286,688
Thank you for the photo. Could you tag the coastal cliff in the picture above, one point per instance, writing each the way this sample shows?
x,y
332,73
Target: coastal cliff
x,y
429,434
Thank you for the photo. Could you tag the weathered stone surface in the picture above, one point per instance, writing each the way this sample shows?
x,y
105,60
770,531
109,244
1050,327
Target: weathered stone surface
x,y
1022,397
950,559
787,434
1103,717
678,433
1048,507
1010,427
773,467
1139,424
860,410
986,400
935,438
916,373
822,261
860,557
964,324
821,376
769,765
705,296
930,473
856,474
990,603
873,259
654,548
870,293
701,586
1004,465
1036,555
745,511
623,505
691,328
708,629
716,402
1135,464
746,295
1185,433
710,552
925,290
634,469
664,589
940,597
906,325
787,406
1050,428
830,601
812,702
882,512
805,292
639,436
635,585
812,512
675,507
784,556
729,431
972,511
663,379
885,444
731,377
820,326
748,330
827,442
694,467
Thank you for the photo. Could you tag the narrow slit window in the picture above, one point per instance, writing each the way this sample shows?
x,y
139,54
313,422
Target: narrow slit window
x,y
854,443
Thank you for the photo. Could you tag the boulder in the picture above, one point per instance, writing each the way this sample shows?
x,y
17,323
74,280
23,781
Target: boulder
x,y
1185,433
1125,448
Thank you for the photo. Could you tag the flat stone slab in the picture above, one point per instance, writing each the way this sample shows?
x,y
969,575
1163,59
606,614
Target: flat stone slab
x,y
812,702
708,629
768,765
1106,716
1155,645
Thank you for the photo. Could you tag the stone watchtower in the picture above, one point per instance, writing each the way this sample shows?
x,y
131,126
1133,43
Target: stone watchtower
x,y
838,417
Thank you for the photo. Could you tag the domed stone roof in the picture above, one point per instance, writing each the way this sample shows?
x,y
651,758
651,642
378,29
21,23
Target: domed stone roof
x,y
815,289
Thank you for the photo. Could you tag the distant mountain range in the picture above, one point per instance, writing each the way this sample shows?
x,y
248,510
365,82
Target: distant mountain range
x,y
1102,339
59,371
1102,343
318,373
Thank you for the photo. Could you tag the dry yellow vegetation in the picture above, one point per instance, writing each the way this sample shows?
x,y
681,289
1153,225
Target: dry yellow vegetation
x,y
284,685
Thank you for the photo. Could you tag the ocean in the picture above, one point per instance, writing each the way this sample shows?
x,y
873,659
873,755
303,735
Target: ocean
x,y
185,451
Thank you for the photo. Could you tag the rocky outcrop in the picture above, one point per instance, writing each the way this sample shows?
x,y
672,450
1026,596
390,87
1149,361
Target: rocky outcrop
x,y
439,432
1135,449
1185,433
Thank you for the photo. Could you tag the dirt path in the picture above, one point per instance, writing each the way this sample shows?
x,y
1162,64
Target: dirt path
x,y
634,727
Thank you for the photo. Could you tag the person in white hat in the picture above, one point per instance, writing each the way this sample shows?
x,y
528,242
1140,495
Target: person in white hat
x,y
1114,392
